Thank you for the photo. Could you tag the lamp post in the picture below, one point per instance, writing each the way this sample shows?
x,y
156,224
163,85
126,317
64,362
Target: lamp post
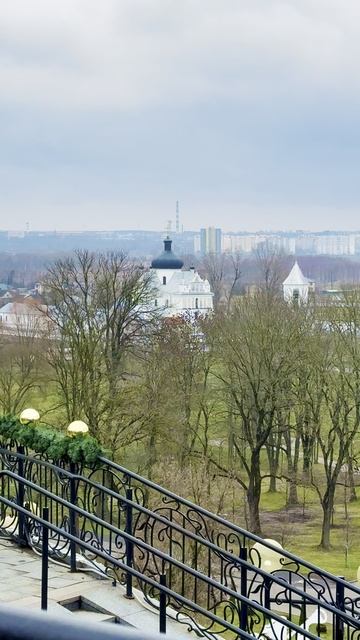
x,y
27,417
76,429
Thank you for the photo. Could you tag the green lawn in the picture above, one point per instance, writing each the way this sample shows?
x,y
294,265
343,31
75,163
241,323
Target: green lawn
x,y
299,530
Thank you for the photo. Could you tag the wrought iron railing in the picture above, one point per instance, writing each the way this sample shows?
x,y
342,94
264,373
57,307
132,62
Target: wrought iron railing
x,y
231,537
228,569
185,532
228,618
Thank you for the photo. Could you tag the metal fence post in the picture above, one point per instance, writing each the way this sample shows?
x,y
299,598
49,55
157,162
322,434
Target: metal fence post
x,y
243,589
129,543
162,602
21,498
267,584
72,519
45,560
267,588
338,628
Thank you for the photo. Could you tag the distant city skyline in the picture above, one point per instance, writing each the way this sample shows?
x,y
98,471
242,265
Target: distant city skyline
x,y
208,240
246,112
318,220
250,229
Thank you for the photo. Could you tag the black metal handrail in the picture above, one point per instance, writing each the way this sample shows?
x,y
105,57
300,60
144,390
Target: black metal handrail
x,y
339,602
174,596
105,556
293,558
17,624
229,525
142,578
305,597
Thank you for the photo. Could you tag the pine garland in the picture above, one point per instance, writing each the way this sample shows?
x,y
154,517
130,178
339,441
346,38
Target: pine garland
x,y
55,444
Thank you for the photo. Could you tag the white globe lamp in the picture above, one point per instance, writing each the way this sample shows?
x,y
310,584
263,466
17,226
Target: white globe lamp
x,y
29,415
268,559
77,427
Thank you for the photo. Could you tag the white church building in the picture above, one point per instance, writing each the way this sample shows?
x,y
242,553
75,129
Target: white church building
x,y
23,318
296,287
179,291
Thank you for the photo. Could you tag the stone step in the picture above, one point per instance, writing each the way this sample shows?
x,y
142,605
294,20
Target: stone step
x,y
93,616
21,587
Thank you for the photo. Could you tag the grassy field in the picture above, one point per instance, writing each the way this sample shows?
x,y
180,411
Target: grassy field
x,y
298,530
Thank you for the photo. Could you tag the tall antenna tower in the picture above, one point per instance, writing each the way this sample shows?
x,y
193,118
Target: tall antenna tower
x,y
168,228
177,227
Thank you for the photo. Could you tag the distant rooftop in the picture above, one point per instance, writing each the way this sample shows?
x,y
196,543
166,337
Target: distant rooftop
x,y
296,276
167,259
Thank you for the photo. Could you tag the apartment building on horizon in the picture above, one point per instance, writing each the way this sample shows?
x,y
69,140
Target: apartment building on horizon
x,y
292,243
209,241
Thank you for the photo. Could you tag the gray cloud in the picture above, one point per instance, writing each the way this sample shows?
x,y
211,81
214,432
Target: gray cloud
x,y
135,53
243,109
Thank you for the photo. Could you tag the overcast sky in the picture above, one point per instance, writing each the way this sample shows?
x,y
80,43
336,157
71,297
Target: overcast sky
x,y
246,111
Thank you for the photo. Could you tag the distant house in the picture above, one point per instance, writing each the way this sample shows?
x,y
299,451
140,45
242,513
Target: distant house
x,y
38,289
22,318
4,299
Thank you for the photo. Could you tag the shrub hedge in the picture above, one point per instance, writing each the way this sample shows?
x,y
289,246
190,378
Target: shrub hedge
x,y
51,442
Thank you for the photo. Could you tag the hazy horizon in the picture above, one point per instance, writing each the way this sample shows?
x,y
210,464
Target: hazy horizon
x,y
173,233
246,112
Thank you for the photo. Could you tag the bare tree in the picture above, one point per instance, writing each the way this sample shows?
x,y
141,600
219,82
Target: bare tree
x,y
224,273
340,382
99,311
189,369
20,356
259,344
270,265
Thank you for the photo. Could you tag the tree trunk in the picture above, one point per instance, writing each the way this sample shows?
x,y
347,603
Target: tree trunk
x,y
308,448
231,449
253,494
272,484
353,495
292,499
327,504
151,460
184,442
273,454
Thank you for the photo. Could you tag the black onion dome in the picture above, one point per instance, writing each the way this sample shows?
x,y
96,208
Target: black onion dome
x,y
167,259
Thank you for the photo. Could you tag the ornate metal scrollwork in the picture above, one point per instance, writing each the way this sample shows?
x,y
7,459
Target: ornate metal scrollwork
x,y
192,540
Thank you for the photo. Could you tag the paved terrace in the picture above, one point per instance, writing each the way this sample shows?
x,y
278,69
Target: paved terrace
x,y
20,586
